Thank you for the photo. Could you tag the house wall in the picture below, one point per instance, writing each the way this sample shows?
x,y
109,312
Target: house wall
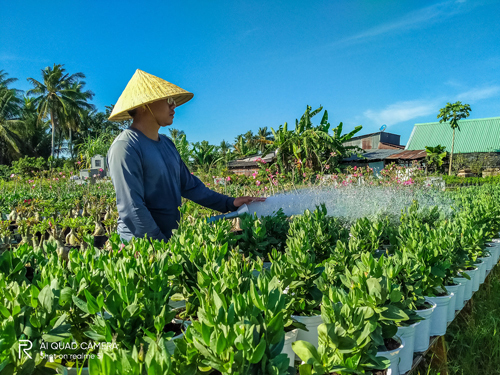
x,y
244,171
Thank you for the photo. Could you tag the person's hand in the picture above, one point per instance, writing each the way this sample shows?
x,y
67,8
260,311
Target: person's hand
x,y
240,201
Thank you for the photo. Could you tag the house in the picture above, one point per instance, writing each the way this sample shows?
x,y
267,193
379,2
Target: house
x,y
249,165
376,159
477,143
475,135
379,141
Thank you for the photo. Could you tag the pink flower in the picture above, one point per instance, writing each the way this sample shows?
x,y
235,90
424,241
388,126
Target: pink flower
x,y
12,175
208,183
60,173
33,186
327,167
304,174
267,169
355,167
317,177
50,186
265,187
63,176
122,246
257,183
228,178
101,170
78,162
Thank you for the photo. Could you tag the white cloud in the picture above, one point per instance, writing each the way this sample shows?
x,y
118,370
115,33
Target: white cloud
x,y
438,12
476,94
411,109
403,111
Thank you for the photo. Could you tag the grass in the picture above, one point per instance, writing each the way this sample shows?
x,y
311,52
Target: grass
x,y
473,338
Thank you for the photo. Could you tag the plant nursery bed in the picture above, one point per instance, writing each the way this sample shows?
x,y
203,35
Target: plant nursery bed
x,y
437,344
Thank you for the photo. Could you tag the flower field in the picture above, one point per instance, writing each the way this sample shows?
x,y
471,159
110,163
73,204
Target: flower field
x,y
310,293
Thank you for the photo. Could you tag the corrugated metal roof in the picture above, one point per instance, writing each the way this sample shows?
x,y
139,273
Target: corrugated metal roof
x,y
374,154
478,135
408,155
251,160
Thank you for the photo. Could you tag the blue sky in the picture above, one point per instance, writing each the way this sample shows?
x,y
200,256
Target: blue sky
x,y
259,63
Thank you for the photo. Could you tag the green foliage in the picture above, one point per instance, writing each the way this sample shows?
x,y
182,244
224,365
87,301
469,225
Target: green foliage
x,y
243,333
261,235
435,156
454,113
311,146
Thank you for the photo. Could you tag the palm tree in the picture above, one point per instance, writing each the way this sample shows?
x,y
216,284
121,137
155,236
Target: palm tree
x,y
10,110
34,134
264,138
57,97
72,120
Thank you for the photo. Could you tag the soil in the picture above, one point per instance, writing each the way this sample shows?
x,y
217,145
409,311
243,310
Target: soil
x,y
442,294
391,344
173,327
379,372
100,241
470,268
425,306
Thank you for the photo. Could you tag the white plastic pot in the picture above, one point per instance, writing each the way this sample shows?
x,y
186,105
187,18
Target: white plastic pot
x,y
488,261
482,271
469,287
460,300
495,252
476,282
440,317
453,290
423,333
406,353
312,323
290,338
393,356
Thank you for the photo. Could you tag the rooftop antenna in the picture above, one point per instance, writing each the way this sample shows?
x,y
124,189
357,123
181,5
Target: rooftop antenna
x,y
383,127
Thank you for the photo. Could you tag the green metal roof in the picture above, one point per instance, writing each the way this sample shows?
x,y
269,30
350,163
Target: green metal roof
x,y
479,135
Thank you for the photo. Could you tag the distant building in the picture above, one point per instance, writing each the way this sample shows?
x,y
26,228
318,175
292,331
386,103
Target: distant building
x,y
477,135
376,159
380,141
248,165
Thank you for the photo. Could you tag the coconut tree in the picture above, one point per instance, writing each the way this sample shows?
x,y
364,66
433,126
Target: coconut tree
x,y
34,133
453,113
72,119
56,96
263,139
10,110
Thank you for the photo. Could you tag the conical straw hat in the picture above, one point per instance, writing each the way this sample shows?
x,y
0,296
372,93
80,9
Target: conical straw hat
x,y
144,88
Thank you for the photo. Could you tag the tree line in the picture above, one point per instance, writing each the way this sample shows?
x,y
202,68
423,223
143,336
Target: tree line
x,y
56,118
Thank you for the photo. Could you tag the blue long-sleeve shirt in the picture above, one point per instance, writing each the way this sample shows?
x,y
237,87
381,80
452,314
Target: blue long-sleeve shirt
x,y
150,178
